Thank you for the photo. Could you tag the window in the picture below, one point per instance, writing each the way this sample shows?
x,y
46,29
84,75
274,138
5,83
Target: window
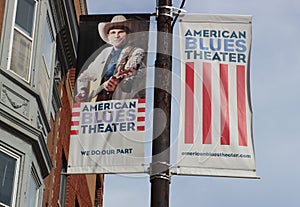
x,y
25,16
9,165
63,182
46,72
22,38
33,192
76,203
48,46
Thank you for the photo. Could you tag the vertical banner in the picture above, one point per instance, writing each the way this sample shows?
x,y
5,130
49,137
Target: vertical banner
x,y
108,117
215,137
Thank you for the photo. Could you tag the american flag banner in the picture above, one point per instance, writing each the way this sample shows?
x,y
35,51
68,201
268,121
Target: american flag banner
x,y
215,135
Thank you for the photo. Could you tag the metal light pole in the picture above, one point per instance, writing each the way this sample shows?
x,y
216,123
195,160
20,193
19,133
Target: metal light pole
x,y
160,169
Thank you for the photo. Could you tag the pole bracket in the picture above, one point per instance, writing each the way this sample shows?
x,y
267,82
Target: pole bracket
x,y
173,11
160,170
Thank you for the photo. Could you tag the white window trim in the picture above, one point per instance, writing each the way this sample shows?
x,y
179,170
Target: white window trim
x,y
16,173
13,27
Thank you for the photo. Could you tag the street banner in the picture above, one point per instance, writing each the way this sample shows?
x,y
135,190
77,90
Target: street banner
x,y
108,116
215,135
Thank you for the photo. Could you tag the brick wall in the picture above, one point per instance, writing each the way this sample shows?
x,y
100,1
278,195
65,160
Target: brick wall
x,y
58,144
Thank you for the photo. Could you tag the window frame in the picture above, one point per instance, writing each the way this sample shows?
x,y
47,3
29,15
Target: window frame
x,y
32,39
16,174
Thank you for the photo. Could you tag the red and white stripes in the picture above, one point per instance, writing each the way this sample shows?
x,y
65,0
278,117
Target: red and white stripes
x,y
216,103
75,122
141,114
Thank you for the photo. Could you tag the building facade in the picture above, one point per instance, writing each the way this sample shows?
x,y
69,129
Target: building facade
x,y
37,71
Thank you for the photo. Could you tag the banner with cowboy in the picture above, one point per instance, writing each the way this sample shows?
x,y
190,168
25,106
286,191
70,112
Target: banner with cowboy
x,y
215,136
108,117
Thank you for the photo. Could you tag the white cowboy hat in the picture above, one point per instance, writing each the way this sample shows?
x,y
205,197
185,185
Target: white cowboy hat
x,y
118,21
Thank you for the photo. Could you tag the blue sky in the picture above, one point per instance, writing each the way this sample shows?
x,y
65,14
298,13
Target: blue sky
x,y
275,84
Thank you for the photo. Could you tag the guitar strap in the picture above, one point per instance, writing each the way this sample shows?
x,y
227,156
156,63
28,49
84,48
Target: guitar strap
x,y
106,95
